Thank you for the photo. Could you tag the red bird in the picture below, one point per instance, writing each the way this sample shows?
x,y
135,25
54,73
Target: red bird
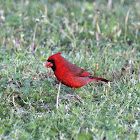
x,y
70,74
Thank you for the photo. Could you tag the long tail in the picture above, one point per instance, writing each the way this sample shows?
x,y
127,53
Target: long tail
x,y
92,78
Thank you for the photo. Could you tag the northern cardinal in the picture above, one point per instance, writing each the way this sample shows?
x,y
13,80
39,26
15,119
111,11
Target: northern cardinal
x,y
69,74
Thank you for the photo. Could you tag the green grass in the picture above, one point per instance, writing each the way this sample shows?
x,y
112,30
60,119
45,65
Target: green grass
x,y
31,31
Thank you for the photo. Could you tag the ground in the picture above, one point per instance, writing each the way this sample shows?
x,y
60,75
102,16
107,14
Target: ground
x,y
102,37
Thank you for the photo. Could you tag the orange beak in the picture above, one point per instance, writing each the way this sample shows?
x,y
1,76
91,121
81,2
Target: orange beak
x,y
48,64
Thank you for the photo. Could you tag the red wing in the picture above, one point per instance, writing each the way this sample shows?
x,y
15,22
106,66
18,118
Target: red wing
x,y
77,71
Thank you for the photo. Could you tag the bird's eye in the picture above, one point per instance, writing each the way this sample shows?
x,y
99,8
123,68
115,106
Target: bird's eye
x,y
52,60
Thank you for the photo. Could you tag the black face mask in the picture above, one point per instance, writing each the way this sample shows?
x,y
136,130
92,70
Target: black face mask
x,y
52,61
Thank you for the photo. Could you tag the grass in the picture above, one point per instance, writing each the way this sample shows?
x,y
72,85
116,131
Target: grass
x,y
102,37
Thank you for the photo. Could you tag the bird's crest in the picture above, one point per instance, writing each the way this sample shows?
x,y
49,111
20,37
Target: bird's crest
x,y
58,53
54,55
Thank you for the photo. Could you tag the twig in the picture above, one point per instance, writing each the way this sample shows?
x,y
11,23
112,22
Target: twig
x,y
12,92
97,38
35,31
109,4
130,66
14,100
114,75
57,100
85,48
72,97
126,22
39,38
32,46
42,105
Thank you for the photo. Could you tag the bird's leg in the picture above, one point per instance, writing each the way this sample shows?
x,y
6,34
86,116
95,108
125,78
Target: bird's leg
x,y
58,95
